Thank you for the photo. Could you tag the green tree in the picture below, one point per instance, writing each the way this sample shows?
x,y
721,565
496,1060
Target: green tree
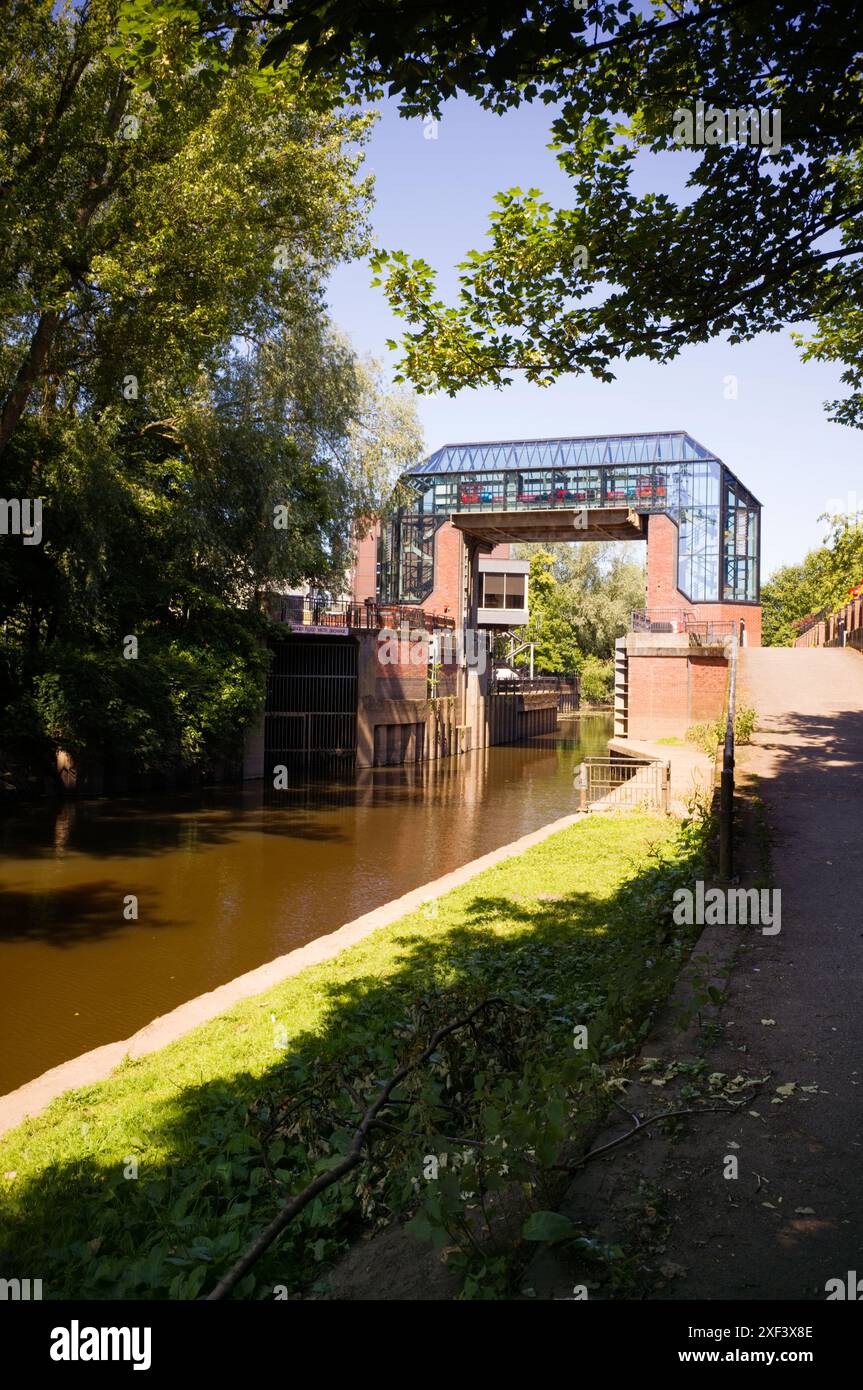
x,y
765,236
768,232
556,649
789,595
822,582
581,597
144,226
171,386
172,535
843,563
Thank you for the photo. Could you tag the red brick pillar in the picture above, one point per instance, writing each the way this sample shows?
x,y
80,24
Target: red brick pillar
x,y
662,591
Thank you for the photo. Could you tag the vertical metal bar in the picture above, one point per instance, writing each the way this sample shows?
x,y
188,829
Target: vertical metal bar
x,y
726,783
582,787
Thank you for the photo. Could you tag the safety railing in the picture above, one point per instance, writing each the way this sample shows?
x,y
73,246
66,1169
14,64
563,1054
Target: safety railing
x,y
300,611
705,633
609,783
658,620
565,687
700,631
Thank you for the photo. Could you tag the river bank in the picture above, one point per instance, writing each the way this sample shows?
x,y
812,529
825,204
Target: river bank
x,y
97,1065
226,881
150,1183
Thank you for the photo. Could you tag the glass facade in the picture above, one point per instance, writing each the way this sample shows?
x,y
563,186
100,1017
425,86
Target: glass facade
x,y
740,544
698,521
717,519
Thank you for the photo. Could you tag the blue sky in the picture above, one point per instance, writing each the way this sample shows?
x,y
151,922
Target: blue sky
x,y
433,197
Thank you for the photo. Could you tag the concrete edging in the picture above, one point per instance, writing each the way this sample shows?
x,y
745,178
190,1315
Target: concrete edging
x,y
99,1063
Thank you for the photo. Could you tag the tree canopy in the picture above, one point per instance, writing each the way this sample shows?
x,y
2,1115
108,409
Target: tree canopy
x,y
170,382
823,581
767,234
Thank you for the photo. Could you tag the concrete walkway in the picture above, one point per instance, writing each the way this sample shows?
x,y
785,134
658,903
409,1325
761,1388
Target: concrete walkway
x,y
808,758
792,1023
799,1222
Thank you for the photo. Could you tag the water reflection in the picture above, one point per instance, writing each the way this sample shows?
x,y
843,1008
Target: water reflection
x,y
228,879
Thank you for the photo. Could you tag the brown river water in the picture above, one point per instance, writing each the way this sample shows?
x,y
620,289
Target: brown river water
x,y
230,878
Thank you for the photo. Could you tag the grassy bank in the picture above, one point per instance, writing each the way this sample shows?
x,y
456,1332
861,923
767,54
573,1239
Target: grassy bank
x,y
150,1184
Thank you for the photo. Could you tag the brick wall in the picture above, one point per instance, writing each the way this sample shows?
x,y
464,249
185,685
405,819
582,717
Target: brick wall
x,y
445,597
364,574
405,678
668,693
657,695
662,590
708,676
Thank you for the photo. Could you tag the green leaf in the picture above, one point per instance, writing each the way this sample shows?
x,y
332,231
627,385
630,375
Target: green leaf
x,y
549,1226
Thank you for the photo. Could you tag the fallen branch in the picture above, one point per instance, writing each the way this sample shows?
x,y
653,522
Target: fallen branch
x,y
350,1160
643,1124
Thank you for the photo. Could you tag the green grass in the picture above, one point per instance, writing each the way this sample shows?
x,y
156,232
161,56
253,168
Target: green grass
x,y
563,932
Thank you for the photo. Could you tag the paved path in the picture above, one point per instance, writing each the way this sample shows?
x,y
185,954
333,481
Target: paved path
x,y
793,1218
808,758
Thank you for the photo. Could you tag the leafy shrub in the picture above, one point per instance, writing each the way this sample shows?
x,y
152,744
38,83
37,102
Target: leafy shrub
x,y
182,702
597,681
744,724
708,737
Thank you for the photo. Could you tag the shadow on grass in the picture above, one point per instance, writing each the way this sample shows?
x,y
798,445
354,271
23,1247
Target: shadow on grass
x,y
90,1229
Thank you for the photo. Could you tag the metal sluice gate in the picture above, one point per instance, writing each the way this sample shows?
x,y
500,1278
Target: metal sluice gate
x,y
311,709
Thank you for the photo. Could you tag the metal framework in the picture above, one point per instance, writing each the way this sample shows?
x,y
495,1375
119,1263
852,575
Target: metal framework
x,y
311,709
718,519
586,451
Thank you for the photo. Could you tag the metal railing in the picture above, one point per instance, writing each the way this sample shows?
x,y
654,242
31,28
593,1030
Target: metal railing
x,y
300,611
726,781
631,783
700,631
658,620
710,630
565,687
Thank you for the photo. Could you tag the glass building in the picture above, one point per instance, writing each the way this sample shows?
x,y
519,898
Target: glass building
x,y
718,519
